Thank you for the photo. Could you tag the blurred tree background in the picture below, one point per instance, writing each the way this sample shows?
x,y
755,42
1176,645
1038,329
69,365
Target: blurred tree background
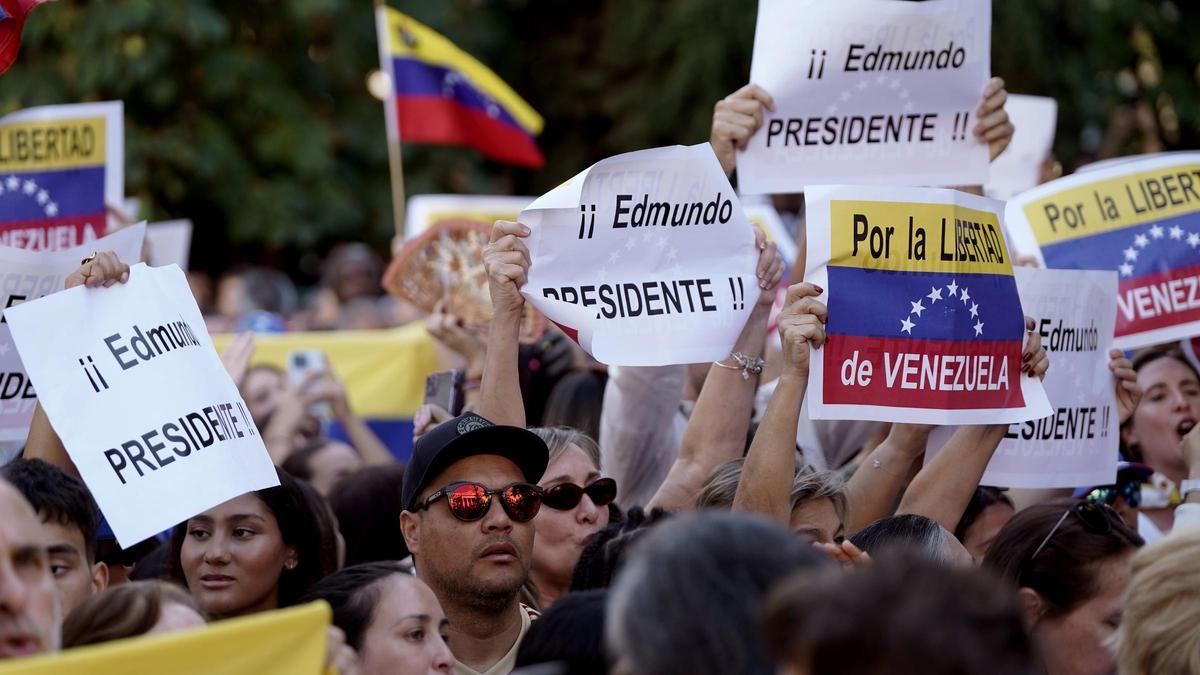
x,y
253,117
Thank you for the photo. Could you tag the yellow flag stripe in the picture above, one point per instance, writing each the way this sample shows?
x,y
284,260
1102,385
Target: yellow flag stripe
x,y
45,145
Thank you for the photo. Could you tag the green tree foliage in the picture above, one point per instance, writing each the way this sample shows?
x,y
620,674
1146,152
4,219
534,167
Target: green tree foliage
x,y
252,117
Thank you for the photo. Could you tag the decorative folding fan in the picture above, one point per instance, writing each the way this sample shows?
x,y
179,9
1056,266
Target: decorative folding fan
x,y
445,262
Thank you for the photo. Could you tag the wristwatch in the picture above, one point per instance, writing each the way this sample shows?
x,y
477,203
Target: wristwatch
x,y
1189,485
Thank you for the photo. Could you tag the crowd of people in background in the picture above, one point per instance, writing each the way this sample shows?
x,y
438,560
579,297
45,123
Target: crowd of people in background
x,y
575,518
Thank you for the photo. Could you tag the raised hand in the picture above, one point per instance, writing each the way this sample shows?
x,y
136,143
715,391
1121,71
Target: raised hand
x,y
735,119
507,262
993,126
801,326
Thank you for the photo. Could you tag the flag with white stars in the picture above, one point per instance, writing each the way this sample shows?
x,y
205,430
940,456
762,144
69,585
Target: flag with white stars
x,y
1139,218
59,168
925,323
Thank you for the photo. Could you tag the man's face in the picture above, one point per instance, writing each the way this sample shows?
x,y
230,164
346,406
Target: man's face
x,y
484,562
74,577
30,609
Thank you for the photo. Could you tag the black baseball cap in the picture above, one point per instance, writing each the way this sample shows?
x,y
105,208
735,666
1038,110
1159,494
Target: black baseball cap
x,y
466,436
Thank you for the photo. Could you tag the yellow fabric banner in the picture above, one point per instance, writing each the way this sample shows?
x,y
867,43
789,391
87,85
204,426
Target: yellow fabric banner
x,y
285,642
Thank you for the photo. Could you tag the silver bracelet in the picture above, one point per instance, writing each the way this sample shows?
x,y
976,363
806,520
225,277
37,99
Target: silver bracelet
x,y
749,365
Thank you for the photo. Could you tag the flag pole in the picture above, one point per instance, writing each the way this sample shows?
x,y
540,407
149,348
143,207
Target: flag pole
x,y
391,117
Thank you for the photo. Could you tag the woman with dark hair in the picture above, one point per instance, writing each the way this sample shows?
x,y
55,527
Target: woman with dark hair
x,y
1069,562
986,513
130,610
1169,408
390,618
253,553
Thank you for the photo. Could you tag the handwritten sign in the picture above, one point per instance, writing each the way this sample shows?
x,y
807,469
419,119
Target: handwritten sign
x,y
59,167
1139,218
29,275
868,92
925,324
645,259
132,384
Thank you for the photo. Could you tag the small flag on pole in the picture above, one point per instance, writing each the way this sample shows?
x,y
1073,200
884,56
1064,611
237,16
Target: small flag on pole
x,y
12,21
442,95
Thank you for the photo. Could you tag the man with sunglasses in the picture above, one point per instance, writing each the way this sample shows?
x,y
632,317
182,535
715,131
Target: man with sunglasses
x,y
470,495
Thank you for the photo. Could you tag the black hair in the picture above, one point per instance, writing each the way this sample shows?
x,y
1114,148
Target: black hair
x,y
1064,571
570,634
299,525
983,497
687,599
367,505
575,402
57,497
353,593
909,531
605,550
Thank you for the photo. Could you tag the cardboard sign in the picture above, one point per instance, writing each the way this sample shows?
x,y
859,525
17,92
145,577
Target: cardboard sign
x,y
1140,218
645,259
868,92
925,323
1018,168
60,166
132,384
1077,445
29,275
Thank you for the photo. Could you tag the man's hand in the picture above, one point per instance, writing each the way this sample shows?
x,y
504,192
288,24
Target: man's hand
x,y
1034,361
801,326
769,269
735,119
993,126
506,260
99,269
1129,394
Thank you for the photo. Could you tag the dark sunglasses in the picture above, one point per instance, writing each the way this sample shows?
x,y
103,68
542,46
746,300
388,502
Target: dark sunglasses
x,y
471,501
566,496
1132,492
1097,518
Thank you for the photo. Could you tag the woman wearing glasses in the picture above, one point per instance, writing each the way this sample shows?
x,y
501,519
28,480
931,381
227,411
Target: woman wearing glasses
x,y
1070,564
576,500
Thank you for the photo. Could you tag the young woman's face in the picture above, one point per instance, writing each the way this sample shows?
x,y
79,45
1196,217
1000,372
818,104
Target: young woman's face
x,y
1170,407
407,633
1076,643
561,535
233,556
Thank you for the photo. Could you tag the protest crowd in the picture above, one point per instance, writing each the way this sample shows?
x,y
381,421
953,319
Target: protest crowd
x,y
769,475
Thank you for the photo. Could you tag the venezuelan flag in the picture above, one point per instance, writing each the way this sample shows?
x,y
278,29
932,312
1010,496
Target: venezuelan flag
x,y
383,371
943,332
441,95
56,175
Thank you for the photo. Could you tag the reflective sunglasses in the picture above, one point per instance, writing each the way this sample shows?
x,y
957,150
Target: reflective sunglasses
x,y
471,501
566,496
1097,518
1132,492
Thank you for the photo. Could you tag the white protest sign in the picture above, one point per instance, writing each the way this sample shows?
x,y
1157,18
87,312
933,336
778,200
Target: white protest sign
x,y
925,322
645,259
170,243
28,275
868,91
132,384
1018,168
1077,445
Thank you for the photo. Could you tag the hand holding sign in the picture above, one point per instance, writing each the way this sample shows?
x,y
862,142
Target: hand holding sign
x,y
1128,392
735,119
506,260
99,269
993,126
801,326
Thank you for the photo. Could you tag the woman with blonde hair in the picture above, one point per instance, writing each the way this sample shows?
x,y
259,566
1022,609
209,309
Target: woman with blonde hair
x,y
1158,627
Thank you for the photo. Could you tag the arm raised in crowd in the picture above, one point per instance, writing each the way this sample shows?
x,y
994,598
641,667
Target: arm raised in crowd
x,y
943,488
507,262
872,491
766,483
735,119
717,429
98,270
